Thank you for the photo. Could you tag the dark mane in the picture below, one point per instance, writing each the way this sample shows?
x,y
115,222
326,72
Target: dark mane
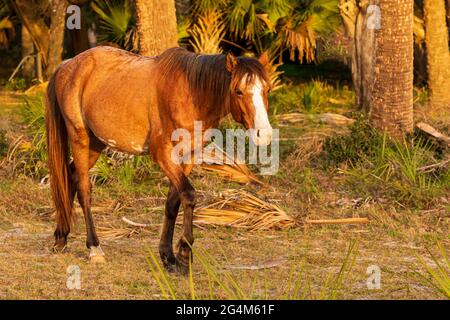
x,y
208,79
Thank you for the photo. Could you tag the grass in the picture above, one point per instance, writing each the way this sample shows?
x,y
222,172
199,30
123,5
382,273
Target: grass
x,y
364,176
311,97
223,284
439,276
378,167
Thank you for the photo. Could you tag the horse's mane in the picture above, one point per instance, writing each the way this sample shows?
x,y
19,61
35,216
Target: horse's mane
x,y
207,76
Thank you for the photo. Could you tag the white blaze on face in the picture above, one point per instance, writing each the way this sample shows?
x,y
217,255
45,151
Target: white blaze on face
x,y
262,132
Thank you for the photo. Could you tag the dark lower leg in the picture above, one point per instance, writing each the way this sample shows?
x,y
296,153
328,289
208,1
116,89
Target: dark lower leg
x,y
61,234
84,197
165,244
184,254
83,161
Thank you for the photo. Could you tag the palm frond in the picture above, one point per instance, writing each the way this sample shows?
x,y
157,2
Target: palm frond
x,y
207,33
117,23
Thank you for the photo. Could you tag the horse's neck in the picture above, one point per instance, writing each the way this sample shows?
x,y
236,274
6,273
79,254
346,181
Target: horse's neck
x,y
212,116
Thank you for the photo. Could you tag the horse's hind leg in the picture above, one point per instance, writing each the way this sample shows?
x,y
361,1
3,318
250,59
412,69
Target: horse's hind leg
x,y
85,150
95,149
60,233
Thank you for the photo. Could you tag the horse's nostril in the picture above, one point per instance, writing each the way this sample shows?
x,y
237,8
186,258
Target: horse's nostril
x,y
258,133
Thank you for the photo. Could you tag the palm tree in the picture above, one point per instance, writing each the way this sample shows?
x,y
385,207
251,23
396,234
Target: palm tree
x,y
438,55
156,25
392,96
266,25
56,35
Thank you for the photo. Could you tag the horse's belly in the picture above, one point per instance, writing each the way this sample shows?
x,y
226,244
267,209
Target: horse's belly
x,y
123,131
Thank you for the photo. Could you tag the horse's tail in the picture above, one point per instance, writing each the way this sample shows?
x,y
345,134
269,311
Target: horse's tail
x,y
58,160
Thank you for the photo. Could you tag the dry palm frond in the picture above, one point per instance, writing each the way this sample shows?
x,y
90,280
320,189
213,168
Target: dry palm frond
x,y
207,33
112,233
274,72
226,167
241,209
300,38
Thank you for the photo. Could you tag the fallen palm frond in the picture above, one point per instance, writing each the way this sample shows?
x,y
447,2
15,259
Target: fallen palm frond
x,y
241,209
113,233
226,167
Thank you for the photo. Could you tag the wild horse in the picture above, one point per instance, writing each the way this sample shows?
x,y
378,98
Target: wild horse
x,y
110,97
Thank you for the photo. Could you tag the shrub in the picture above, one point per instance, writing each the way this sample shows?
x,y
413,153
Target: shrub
x,y
359,144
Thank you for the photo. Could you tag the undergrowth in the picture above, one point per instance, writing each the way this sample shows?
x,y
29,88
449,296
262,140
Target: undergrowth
x,y
406,172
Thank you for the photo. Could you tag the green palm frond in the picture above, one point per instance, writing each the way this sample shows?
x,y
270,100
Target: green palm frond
x,y
117,23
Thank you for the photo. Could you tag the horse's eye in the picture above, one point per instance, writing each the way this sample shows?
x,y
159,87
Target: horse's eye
x,y
239,93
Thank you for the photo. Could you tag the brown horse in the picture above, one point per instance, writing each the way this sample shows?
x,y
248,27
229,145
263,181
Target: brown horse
x,y
110,97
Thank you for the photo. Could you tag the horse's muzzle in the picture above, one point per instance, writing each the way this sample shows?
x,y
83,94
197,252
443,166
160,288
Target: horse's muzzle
x,y
261,137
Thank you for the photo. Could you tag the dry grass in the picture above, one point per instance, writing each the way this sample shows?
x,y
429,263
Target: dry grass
x,y
264,261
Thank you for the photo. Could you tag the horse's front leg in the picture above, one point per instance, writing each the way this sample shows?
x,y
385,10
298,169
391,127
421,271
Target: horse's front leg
x,y
170,216
181,192
184,255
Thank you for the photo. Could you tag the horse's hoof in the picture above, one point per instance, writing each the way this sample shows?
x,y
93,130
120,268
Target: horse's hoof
x,y
169,264
182,266
171,268
96,255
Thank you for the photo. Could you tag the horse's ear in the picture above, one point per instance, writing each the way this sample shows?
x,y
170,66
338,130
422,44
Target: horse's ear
x,y
264,59
231,61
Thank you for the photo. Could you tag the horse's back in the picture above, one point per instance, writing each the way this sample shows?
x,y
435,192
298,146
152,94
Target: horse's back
x,y
109,91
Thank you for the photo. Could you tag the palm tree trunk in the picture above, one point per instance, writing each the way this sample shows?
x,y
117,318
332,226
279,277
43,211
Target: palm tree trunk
x,y
156,25
391,104
438,55
56,35
35,25
27,50
355,19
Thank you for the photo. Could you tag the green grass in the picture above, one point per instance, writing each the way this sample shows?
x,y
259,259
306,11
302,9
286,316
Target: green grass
x,y
29,154
439,275
312,97
382,168
221,283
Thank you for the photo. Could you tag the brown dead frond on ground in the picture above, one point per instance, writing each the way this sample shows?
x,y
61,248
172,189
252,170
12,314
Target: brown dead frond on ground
x,y
241,209
227,168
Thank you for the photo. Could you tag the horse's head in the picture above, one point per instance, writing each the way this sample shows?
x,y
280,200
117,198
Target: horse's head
x,y
250,86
